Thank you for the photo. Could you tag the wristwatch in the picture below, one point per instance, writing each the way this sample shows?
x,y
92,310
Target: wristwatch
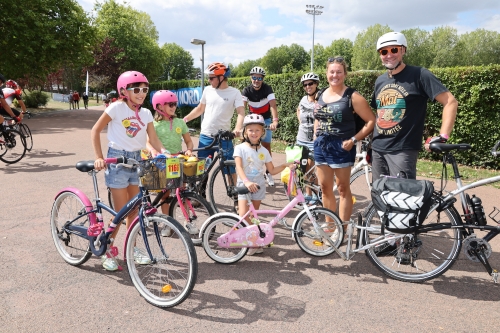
x,y
354,140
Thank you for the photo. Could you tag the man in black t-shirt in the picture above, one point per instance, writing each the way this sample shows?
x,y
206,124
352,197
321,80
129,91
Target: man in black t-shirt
x,y
260,99
400,97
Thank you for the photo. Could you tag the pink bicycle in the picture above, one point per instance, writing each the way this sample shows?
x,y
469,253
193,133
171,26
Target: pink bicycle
x,y
226,237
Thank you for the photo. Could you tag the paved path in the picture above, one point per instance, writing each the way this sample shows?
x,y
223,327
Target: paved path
x,y
282,290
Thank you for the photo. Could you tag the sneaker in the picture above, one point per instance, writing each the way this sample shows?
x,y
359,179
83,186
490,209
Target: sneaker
x,y
255,250
109,263
314,200
269,179
140,257
307,198
166,232
192,229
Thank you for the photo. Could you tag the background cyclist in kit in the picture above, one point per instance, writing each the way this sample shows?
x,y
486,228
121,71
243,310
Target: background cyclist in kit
x,y
261,100
11,91
5,109
400,97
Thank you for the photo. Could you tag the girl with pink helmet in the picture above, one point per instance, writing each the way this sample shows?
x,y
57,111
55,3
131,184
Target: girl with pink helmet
x,y
171,131
252,160
129,128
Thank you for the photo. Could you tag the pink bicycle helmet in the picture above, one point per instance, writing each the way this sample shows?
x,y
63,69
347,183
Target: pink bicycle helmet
x,y
163,97
128,78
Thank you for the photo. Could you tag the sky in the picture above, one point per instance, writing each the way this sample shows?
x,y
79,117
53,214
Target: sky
x,y
239,30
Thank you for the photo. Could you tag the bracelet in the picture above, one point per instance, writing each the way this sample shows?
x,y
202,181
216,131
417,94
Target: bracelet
x,y
444,136
245,180
163,151
185,119
275,119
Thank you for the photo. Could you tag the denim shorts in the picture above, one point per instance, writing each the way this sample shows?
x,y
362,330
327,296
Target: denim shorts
x,y
269,133
118,176
328,151
227,145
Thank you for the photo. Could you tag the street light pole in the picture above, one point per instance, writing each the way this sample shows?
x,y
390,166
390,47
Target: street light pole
x,y
314,11
202,43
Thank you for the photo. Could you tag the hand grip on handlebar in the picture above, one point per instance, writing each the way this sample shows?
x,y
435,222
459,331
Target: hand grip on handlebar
x,y
115,160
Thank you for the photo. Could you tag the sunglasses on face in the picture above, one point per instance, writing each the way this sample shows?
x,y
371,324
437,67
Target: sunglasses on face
x,y
336,59
171,104
139,90
308,84
210,78
394,50
256,78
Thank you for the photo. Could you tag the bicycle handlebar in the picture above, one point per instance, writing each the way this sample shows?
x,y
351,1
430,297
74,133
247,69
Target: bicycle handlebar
x,y
494,151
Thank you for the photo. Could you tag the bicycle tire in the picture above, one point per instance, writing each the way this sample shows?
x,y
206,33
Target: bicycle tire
x,y
202,211
13,148
308,239
215,228
360,190
169,278
420,257
222,202
73,249
25,130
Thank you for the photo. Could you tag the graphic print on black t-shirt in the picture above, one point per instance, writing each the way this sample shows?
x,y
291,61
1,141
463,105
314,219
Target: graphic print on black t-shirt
x,y
391,108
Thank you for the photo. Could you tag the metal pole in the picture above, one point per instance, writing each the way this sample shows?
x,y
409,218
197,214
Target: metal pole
x,y
202,67
312,50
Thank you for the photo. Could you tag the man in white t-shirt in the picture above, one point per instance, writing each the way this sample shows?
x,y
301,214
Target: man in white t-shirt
x,y
218,103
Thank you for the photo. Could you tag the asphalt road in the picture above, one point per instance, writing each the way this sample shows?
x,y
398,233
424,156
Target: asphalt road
x,y
281,290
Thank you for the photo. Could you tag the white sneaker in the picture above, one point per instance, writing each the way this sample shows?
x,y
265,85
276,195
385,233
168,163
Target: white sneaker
x,y
269,179
109,263
140,257
192,229
166,232
255,250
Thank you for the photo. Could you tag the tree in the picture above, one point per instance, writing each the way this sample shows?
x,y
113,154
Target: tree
x,y
479,47
40,37
278,57
364,51
135,33
444,42
319,51
243,69
177,63
419,51
339,47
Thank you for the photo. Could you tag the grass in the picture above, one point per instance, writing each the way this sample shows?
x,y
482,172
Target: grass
x,y
55,105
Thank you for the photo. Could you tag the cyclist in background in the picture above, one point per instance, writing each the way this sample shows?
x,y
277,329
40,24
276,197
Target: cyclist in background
x,y
5,109
400,97
11,91
261,100
218,103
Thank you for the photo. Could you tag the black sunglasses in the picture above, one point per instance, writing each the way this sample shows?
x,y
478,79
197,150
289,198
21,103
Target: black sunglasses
x,y
171,104
394,50
336,59
308,84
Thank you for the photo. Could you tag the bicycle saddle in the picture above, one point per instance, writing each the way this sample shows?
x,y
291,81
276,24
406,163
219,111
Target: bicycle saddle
x,y
243,189
444,147
85,166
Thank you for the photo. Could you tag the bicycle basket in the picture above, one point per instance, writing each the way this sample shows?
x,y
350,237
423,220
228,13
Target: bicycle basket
x,y
193,171
161,173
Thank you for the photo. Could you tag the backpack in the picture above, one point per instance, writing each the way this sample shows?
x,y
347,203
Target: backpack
x,y
402,204
358,121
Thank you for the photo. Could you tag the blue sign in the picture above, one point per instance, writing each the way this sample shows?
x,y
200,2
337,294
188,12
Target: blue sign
x,y
185,96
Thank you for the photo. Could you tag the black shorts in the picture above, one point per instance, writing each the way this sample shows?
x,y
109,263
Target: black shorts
x,y
5,114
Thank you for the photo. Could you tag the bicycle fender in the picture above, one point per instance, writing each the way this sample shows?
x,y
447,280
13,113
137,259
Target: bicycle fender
x,y
299,215
86,201
203,226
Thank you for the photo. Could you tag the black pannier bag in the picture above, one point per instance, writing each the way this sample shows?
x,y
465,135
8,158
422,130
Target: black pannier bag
x,y
401,203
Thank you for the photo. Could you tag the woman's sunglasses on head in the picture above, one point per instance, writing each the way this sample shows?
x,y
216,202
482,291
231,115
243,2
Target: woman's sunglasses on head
x,y
144,90
336,59
394,50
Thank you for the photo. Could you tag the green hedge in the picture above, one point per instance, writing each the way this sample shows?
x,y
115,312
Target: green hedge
x,y
477,90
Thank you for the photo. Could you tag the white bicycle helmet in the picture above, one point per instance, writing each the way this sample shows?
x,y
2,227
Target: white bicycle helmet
x,y
253,119
258,70
309,76
391,38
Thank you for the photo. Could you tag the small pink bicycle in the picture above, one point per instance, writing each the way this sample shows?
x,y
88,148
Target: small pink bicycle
x,y
226,237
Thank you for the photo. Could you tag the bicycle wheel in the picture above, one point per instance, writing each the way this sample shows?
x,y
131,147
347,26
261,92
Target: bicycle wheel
x,y
73,249
311,242
360,190
12,147
167,278
198,210
25,130
220,186
212,231
415,257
